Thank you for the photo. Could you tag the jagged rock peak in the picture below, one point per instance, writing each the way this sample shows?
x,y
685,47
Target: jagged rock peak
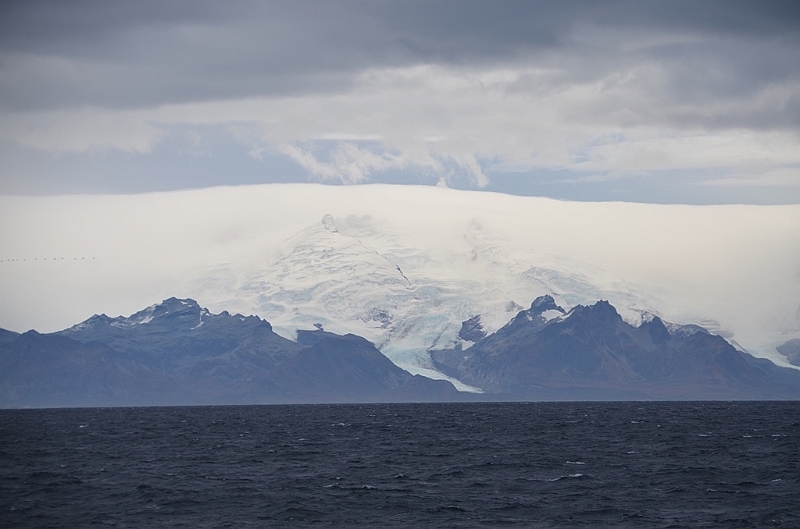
x,y
173,306
603,306
656,329
544,303
602,309
174,303
96,319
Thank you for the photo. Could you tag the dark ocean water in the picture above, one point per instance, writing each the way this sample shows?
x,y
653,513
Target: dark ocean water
x,y
404,465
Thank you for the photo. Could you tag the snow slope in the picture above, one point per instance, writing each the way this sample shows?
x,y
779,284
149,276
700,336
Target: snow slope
x,y
400,265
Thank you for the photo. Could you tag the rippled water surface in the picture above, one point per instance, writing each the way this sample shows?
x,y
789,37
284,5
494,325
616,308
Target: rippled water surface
x,y
404,465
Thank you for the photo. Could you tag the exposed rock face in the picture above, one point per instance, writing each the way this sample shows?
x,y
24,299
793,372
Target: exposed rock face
x,y
472,330
592,353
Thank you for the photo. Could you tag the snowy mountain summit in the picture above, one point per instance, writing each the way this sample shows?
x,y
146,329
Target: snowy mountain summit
x,y
363,276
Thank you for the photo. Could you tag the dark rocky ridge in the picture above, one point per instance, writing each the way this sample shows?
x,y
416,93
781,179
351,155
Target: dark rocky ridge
x,y
179,353
591,353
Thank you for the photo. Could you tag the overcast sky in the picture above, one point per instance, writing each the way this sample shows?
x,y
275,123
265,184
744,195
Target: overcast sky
x,y
682,102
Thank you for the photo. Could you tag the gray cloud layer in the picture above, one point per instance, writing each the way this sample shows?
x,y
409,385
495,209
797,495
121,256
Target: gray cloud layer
x,y
138,54
451,91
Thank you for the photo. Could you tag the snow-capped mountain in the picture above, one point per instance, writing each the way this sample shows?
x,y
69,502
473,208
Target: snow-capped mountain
x,y
402,266
354,275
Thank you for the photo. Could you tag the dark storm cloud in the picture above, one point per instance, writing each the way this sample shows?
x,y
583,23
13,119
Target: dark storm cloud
x,y
134,54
